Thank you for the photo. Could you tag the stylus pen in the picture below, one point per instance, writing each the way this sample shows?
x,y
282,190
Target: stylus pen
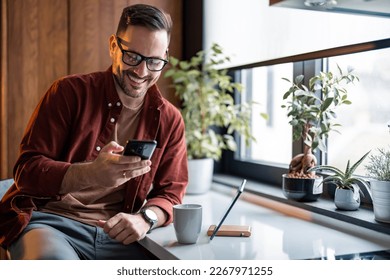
x,y
240,190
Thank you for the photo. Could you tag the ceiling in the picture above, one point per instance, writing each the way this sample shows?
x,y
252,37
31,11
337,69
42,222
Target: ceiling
x,y
360,7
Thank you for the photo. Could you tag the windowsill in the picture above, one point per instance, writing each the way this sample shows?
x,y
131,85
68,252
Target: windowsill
x,y
278,231
362,217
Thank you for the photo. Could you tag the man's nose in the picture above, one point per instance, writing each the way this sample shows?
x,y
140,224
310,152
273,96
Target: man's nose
x,y
141,69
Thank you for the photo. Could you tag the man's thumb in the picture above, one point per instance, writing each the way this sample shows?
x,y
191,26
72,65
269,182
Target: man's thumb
x,y
112,147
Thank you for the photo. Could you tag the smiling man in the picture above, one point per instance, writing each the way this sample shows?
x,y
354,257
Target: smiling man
x,y
76,196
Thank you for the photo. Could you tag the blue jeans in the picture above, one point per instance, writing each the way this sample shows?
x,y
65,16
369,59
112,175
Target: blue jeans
x,y
53,237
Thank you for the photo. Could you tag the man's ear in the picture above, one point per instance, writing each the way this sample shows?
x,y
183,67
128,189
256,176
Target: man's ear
x,y
112,45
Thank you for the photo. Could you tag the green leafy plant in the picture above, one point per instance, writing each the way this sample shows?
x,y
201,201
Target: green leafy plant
x,y
379,165
346,179
207,104
312,114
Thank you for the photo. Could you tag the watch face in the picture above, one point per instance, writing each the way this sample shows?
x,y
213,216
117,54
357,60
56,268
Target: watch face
x,y
151,215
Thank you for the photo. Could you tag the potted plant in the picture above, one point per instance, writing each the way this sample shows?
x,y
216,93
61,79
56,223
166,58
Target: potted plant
x,y
347,195
209,113
378,169
312,115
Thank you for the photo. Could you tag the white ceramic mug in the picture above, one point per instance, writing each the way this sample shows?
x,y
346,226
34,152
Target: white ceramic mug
x,y
187,221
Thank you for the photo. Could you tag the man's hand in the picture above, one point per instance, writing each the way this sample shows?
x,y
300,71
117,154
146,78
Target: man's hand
x,y
125,228
128,228
111,169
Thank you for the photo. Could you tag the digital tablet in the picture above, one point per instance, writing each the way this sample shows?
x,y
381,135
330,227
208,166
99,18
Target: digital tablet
x,y
230,230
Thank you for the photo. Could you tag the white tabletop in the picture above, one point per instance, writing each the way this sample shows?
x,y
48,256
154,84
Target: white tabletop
x,y
276,235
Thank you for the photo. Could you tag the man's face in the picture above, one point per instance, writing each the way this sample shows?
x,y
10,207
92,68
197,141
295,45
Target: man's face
x,y
136,80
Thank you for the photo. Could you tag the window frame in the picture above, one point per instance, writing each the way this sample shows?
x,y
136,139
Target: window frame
x,y
308,64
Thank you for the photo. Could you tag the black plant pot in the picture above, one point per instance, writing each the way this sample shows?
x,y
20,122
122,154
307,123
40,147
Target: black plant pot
x,y
302,189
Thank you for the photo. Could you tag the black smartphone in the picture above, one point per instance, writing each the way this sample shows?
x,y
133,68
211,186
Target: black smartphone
x,y
142,148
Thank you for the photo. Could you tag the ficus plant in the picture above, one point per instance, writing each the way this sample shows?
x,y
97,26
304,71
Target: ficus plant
x,y
207,105
311,110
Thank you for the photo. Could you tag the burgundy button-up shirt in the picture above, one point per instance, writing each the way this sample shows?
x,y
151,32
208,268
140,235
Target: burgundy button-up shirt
x,y
71,124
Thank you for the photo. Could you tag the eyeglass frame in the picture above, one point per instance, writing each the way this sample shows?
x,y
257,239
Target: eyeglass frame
x,y
143,58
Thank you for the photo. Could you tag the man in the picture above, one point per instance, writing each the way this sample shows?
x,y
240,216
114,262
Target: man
x,y
76,196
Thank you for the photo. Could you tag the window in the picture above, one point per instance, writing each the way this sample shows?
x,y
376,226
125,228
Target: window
x,y
285,42
264,86
364,122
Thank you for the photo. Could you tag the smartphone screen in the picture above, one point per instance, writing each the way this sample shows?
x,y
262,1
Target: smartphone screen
x,y
142,148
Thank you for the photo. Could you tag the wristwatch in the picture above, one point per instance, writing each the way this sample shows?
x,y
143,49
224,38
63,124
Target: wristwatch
x,y
150,216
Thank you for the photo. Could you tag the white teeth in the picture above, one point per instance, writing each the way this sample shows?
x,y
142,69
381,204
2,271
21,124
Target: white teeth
x,y
135,79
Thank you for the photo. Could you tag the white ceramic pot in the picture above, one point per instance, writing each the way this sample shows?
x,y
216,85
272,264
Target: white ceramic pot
x,y
380,191
347,199
200,175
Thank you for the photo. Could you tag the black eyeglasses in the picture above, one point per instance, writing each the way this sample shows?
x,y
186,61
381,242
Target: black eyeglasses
x,y
133,59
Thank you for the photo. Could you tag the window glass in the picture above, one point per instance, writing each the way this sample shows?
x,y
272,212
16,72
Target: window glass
x,y
260,32
264,85
365,121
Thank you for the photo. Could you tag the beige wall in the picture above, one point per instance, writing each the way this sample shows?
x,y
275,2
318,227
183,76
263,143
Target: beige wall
x,y
42,40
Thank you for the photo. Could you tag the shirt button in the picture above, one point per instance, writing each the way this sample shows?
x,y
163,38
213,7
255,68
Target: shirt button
x,y
98,148
118,104
109,104
112,120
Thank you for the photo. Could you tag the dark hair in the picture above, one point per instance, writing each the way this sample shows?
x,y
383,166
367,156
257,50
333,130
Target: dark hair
x,y
144,15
